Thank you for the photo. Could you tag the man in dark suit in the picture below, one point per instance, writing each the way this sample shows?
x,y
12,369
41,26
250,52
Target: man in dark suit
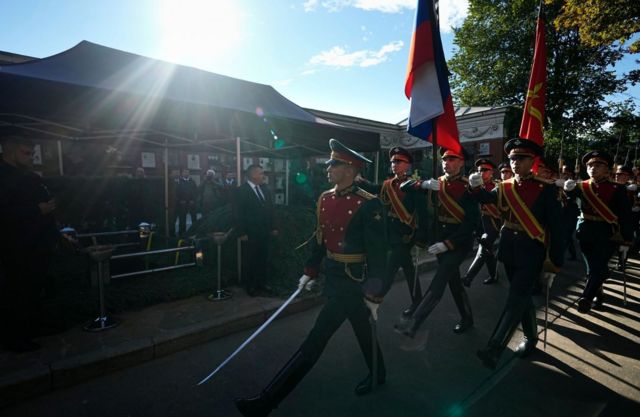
x,y
253,212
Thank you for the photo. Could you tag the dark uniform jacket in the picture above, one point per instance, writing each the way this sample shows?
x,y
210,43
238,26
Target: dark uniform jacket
x,y
253,217
591,226
409,225
23,226
516,247
454,233
351,238
490,217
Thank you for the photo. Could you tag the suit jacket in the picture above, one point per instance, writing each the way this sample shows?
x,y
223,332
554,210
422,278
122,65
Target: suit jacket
x,y
253,217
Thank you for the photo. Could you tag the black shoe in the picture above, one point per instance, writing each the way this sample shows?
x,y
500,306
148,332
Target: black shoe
x,y
463,325
252,407
364,387
584,305
489,357
526,347
598,304
466,281
20,345
405,327
490,280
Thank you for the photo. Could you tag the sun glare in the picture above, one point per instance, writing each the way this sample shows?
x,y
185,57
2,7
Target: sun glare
x,y
194,32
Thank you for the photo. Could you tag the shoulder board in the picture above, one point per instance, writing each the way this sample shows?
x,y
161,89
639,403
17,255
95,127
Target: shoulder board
x,y
543,180
496,182
364,194
327,192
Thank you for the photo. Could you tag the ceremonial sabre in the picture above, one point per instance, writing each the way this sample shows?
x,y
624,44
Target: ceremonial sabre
x,y
253,336
546,317
624,278
374,353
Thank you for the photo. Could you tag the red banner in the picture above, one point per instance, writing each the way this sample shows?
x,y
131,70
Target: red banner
x,y
533,114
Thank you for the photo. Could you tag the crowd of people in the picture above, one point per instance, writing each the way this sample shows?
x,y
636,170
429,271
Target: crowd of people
x,y
366,232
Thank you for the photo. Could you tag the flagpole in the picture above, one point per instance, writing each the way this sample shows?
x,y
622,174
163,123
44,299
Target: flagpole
x,y
434,175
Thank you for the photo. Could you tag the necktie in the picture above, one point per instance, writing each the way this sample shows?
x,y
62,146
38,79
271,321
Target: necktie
x,y
259,193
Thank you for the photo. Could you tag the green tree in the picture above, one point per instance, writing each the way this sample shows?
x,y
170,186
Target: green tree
x,y
492,63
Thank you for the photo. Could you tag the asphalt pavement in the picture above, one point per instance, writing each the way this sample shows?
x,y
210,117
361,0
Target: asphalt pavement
x,y
149,366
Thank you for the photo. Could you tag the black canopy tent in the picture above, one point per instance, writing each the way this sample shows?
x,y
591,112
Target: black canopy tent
x,y
95,93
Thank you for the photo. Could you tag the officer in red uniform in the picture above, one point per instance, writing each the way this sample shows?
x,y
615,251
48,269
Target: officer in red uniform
x,y
406,221
604,223
351,239
490,228
531,233
505,171
458,216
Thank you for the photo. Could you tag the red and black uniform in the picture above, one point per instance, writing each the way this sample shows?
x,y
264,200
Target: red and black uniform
x,y
490,221
604,223
406,221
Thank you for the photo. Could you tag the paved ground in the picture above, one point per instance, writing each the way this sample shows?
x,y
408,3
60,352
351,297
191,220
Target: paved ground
x,y
590,366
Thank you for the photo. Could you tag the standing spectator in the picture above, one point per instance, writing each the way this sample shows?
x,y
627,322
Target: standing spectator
x,y
29,233
186,195
254,223
210,193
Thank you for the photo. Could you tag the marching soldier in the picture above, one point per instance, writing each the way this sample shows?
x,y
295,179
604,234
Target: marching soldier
x,y
458,215
605,222
505,171
570,213
490,228
351,238
531,237
407,216
623,175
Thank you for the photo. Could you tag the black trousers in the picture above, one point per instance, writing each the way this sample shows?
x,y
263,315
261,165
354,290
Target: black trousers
x,y
400,257
335,312
596,256
22,280
255,254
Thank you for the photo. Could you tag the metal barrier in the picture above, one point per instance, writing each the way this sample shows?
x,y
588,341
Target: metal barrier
x,y
155,252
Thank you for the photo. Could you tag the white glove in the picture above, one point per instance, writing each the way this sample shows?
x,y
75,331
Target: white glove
x,y
548,278
632,187
437,248
560,182
304,282
373,307
475,180
432,184
623,249
569,185
635,209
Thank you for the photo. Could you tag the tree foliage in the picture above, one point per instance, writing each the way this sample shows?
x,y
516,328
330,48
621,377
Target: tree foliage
x,y
492,64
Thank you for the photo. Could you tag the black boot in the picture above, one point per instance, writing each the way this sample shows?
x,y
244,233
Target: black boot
x,y
507,324
530,329
598,301
281,385
464,306
409,325
364,387
584,305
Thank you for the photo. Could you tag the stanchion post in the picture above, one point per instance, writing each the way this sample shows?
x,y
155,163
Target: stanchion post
x,y
101,254
220,295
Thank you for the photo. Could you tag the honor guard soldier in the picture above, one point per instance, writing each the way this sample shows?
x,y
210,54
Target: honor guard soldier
x,y
505,171
407,218
458,216
351,238
570,213
491,221
604,223
530,238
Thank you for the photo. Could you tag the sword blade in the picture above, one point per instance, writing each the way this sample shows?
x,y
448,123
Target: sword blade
x,y
253,336
546,318
374,354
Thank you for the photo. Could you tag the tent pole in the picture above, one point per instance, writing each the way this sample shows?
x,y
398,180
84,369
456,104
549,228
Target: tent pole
x,y
238,174
60,165
286,182
377,170
166,188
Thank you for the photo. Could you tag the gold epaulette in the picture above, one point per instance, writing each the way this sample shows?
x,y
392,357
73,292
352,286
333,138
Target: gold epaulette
x,y
543,180
364,194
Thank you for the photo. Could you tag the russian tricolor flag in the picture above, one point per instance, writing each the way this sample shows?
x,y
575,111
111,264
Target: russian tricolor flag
x,y
427,83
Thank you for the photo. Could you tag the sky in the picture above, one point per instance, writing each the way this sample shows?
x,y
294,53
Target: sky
x,y
341,56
